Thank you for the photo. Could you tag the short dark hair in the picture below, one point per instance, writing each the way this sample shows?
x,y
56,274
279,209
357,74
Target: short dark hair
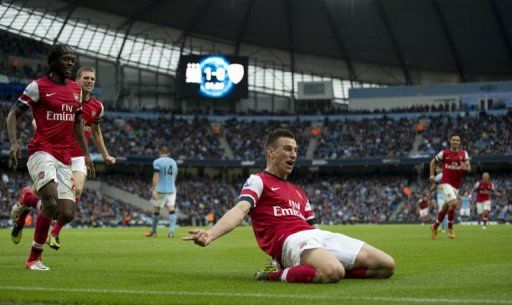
x,y
275,134
454,135
84,69
164,150
56,51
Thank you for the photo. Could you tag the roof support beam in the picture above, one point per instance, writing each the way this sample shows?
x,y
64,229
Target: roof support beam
x,y
131,21
394,42
139,13
243,28
503,29
341,45
291,48
72,7
200,14
449,39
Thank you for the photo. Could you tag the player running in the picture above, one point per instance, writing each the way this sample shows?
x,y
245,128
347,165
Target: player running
x,y
284,226
483,188
55,103
92,113
455,162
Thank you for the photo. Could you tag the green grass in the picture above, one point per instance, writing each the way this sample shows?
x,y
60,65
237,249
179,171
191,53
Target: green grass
x,y
121,266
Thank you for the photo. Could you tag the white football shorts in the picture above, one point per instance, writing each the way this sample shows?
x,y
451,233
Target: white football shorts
x,y
44,168
482,206
78,165
344,248
449,192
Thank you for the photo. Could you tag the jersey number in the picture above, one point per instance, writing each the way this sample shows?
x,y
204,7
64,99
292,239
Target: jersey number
x,y
169,170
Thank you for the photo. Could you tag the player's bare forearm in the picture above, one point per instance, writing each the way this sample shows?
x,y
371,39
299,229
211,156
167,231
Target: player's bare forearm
x,y
433,167
467,167
232,219
97,137
12,119
15,149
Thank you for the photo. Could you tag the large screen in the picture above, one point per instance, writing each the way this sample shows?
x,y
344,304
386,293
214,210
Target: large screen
x,y
212,76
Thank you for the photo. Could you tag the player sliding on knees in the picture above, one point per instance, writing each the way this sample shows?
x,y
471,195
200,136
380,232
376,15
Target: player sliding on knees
x,y
284,226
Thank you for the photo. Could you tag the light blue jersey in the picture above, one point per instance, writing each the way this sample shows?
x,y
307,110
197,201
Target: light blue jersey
x,y
466,202
439,197
167,170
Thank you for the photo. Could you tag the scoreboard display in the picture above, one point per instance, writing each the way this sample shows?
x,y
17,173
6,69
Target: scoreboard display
x,y
212,76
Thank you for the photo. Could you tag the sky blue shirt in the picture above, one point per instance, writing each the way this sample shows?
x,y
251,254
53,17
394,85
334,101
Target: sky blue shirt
x,y
466,201
167,169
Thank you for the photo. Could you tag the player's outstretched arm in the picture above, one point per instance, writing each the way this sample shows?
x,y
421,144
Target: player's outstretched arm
x,y
433,170
226,224
97,137
15,150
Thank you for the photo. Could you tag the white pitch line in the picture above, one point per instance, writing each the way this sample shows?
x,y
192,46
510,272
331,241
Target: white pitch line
x,y
261,295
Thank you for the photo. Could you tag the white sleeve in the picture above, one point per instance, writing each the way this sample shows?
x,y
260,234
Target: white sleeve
x,y
477,185
30,94
102,110
466,156
252,188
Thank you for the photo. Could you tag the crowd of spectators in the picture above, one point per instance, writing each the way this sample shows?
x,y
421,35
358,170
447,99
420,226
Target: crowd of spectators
x,y
15,50
247,138
198,138
335,199
384,137
144,137
94,210
480,135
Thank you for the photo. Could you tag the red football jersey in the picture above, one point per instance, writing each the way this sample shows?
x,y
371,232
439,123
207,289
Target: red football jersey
x,y
483,190
92,112
452,166
422,203
54,107
279,209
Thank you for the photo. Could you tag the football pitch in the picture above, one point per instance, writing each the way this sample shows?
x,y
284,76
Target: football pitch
x,y
121,266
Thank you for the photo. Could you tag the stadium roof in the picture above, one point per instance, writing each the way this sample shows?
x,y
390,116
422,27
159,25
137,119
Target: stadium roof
x,y
472,38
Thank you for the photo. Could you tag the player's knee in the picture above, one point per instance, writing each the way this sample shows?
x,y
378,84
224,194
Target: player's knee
x,y
67,216
49,202
79,191
388,267
332,274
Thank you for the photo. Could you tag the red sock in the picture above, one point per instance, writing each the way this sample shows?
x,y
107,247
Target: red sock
x,y
356,273
56,229
297,274
29,199
20,222
451,217
440,218
40,235
485,219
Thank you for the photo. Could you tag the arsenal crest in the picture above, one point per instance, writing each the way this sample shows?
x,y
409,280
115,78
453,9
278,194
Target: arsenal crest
x,y
77,97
